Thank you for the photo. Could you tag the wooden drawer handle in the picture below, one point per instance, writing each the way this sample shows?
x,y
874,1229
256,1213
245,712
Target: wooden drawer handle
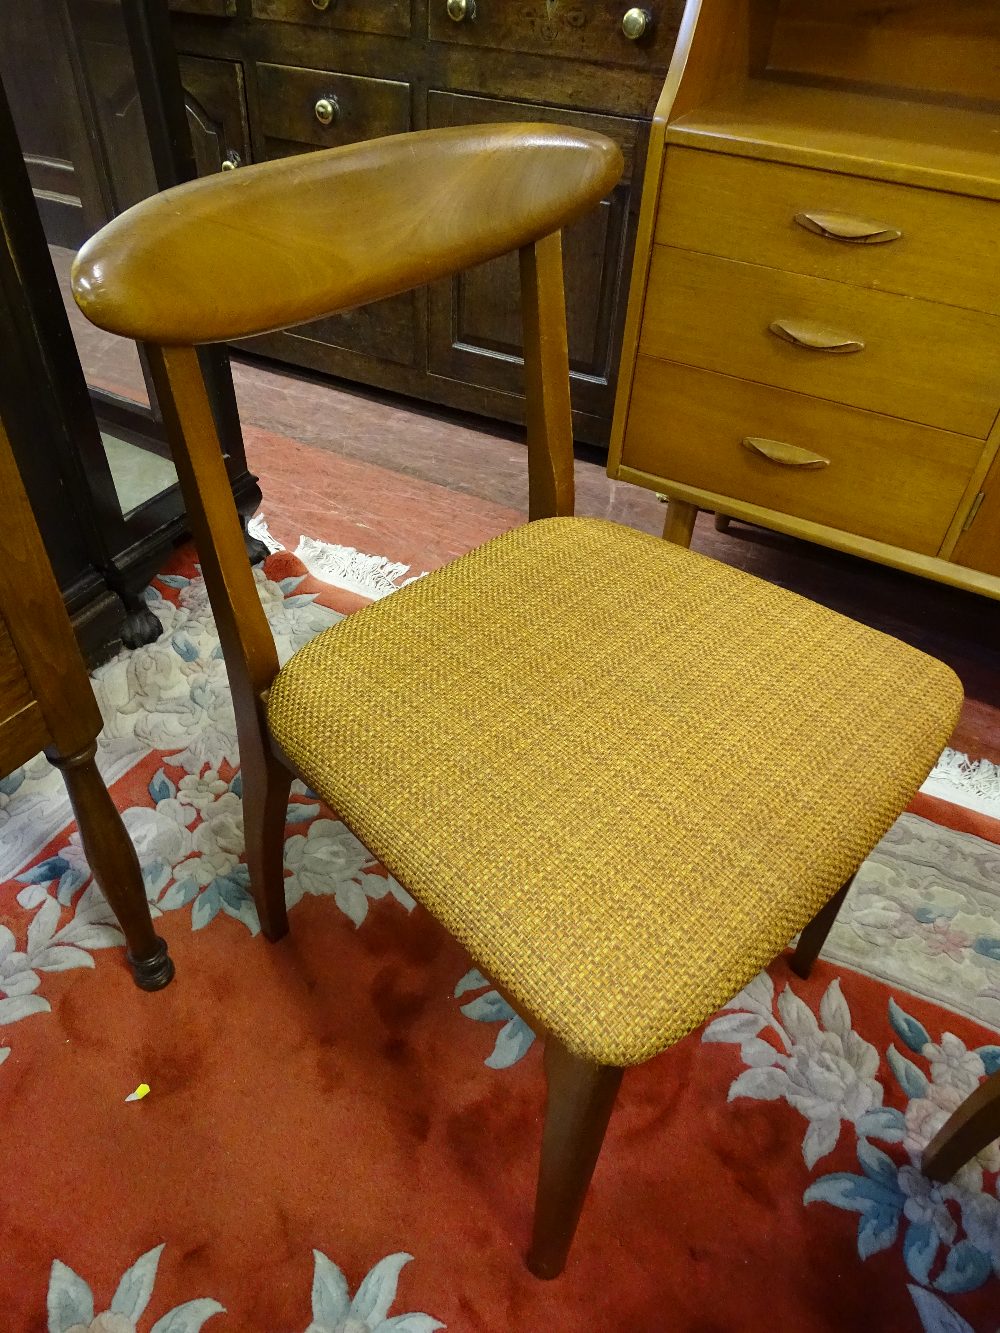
x,y
842,227
788,455
816,337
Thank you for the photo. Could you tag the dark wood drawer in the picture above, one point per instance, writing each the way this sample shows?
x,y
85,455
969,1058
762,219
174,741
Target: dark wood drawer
x,y
475,322
580,29
292,109
386,16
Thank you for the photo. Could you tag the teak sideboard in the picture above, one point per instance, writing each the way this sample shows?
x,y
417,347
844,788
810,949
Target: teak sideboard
x,y
813,331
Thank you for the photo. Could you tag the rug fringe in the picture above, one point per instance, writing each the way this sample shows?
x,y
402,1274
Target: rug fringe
x,y
257,527
373,576
972,783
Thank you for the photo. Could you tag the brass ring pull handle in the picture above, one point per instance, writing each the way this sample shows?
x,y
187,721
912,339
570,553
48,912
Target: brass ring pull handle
x,y
636,24
843,227
327,110
321,4
461,9
788,455
815,337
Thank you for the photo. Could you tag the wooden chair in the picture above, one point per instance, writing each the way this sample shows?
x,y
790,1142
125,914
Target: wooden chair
x,y
622,774
46,703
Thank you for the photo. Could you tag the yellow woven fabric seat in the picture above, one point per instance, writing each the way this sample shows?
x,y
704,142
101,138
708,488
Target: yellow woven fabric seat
x,y
622,774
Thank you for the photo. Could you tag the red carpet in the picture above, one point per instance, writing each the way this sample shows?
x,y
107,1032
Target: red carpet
x,y
322,1110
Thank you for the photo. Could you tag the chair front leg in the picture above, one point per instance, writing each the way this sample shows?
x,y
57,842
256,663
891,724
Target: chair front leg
x,y
814,935
966,1132
581,1096
112,857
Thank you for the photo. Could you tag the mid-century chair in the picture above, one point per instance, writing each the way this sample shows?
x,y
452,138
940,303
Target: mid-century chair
x,y
623,775
46,703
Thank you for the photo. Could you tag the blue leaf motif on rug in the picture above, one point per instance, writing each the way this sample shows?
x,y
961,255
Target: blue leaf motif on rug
x,y
514,1039
950,1233
70,1302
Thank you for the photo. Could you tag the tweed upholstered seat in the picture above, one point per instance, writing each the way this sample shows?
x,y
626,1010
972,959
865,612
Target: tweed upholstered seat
x,y
624,775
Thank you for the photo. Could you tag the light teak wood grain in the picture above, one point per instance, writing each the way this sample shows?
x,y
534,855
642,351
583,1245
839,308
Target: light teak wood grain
x,y
949,250
899,44
921,362
937,146
326,232
886,479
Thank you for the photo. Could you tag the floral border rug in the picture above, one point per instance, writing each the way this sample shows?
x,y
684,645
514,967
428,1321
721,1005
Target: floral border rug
x,y
340,1132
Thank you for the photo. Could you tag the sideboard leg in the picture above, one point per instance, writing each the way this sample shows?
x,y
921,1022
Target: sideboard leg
x,y
680,522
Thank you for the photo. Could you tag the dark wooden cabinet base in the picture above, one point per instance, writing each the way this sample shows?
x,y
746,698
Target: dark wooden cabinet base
x,y
99,121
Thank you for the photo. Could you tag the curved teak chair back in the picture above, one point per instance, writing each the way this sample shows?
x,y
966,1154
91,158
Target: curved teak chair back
x,y
281,243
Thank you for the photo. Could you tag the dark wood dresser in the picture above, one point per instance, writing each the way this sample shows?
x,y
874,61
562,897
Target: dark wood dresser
x,y
266,78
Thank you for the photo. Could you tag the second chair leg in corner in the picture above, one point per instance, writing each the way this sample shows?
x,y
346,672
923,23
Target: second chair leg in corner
x,y
966,1132
113,860
266,785
814,935
581,1096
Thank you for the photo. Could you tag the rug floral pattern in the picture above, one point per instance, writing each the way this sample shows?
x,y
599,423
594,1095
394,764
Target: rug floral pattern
x,y
932,931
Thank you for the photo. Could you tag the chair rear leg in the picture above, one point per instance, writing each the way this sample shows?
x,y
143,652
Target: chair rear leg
x,y
266,785
581,1096
966,1132
113,860
813,937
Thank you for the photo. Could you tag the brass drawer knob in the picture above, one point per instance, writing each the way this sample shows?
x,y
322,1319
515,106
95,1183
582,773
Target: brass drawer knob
x,y
461,9
637,23
787,455
232,160
815,337
327,110
844,227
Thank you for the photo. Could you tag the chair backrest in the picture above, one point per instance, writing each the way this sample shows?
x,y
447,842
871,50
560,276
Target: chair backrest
x,y
280,243
283,242
45,695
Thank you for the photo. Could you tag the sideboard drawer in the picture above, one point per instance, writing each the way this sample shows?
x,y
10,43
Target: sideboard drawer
x,y
295,105
881,478
385,16
363,109
920,361
948,249
585,29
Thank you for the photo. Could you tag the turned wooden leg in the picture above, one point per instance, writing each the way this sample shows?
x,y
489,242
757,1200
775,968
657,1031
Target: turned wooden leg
x,y
112,858
679,524
580,1098
266,784
722,522
967,1131
813,937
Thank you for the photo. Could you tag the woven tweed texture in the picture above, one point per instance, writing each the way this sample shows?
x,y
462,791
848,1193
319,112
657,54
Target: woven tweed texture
x,y
622,774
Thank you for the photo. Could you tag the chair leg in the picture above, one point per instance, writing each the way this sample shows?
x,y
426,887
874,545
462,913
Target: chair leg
x,y
266,784
113,860
813,937
967,1131
581,1096
679,524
